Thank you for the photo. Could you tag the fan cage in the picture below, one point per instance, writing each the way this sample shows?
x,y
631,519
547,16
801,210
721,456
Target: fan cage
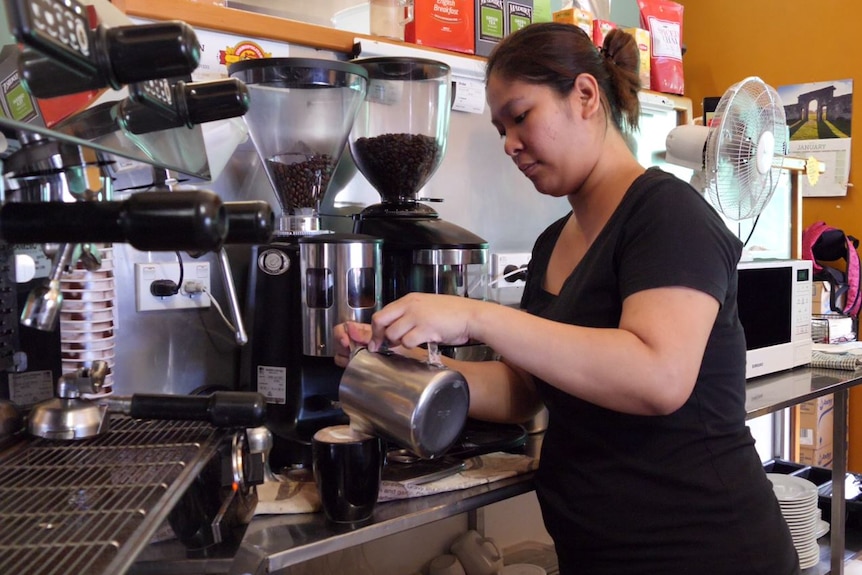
x,y
745,116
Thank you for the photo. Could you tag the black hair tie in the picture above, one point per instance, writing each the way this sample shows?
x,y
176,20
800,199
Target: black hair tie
x,y
607,55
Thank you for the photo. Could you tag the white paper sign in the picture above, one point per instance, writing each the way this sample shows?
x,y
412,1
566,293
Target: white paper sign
x,y
469,96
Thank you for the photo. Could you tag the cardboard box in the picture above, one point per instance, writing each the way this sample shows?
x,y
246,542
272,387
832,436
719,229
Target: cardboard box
x,y
543,11
821,292
16,103
832,328
815,422
577,17
519,13
643,40
600,31
490,25
817,457
443,24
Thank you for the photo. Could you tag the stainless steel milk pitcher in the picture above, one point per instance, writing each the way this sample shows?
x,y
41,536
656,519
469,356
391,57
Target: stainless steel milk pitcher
x,y
421,406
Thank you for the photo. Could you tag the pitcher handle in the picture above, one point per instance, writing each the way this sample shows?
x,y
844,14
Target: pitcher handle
x,y
496,550
434,354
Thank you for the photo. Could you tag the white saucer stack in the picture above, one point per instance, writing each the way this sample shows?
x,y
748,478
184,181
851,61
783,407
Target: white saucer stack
x,y
88,318
798,500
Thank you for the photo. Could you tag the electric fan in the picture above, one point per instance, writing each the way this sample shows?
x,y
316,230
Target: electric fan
x,y
740,154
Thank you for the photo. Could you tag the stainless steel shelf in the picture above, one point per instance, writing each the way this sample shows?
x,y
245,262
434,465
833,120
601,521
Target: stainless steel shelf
x,y
775,392
275,542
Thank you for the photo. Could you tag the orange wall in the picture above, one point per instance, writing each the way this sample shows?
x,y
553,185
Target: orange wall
x,y
784,42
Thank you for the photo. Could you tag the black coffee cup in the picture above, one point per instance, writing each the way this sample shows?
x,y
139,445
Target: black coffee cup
x,y
347,468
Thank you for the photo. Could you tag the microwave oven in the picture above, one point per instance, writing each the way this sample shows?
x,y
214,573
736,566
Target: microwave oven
x,y
774,302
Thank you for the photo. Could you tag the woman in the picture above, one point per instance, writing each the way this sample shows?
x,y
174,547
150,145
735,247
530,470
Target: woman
x,y
631,339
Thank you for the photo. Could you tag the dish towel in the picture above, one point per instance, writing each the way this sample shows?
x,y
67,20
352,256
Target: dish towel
x,y
301,496
837,356
846,361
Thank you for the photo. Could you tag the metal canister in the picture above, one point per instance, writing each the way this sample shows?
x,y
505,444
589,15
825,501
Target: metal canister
x,y
420,406
341,281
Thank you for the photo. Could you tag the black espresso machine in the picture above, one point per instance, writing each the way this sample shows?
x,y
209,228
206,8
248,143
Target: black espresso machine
x,y
85,453
308,279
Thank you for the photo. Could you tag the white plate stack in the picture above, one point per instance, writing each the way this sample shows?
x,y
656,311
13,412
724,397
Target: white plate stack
x,y
87,316
798,500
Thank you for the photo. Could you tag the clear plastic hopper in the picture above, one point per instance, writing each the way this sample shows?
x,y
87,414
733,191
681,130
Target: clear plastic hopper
x,y
301,111
399,137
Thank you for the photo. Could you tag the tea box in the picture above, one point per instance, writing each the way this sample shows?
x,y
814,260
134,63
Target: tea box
x,y
490,25
600,30
519,13
643,40
583,19
443,24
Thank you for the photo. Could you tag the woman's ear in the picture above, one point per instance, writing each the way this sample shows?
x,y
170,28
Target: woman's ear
x,y
586,91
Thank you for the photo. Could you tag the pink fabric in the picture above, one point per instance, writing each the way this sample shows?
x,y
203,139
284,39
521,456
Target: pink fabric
x,y
809,239
809,236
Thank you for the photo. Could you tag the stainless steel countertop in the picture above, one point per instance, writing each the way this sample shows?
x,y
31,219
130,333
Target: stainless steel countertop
x,y
274,542
771,393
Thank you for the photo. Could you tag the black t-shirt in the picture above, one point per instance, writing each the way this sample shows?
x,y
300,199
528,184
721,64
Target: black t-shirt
x,y
683,493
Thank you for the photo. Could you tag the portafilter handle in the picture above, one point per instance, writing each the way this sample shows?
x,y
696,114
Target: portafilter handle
x,y
193,221
221,408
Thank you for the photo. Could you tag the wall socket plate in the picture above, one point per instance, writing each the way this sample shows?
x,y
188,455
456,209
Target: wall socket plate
x,y
499,263
147,273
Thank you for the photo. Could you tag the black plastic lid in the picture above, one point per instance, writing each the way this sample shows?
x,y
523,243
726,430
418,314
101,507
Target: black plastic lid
x,y
266,70
340,238
403,68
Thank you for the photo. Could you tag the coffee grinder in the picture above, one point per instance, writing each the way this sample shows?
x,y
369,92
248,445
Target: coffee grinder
x,y
307,279
397,143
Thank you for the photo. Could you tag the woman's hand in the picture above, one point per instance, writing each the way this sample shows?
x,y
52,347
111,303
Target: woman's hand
x,y
347,336
419,318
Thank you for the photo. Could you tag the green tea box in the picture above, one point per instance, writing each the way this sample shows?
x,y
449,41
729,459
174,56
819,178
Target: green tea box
x,y
519,13
490,25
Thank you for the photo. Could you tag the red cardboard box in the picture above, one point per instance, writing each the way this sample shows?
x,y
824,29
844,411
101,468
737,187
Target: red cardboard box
x,y
444,24
600,30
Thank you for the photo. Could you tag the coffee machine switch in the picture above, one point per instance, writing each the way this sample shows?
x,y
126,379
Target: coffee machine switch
x,y
273,262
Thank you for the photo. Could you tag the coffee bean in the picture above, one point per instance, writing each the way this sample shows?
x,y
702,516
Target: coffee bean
x,y
300,179
397,165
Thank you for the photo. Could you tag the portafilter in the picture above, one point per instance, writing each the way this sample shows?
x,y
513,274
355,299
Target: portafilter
x,y
71,415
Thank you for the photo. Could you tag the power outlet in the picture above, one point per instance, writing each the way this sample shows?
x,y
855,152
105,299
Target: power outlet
x,y
146,274
502,263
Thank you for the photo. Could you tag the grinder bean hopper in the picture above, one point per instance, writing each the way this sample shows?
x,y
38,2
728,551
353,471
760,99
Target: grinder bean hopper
x,y
397,143
301,112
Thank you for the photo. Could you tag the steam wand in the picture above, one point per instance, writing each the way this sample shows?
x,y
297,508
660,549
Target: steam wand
x,y
42,307
248,222
235,314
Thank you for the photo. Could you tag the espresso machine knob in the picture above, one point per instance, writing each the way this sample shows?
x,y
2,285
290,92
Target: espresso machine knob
x,y
193,221
67,55
159,105
249,222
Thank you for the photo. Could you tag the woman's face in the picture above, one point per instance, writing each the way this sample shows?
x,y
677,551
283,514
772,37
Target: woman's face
x,y
552,139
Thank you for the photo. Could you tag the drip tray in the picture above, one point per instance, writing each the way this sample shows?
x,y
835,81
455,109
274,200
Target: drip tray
x,y
91,506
